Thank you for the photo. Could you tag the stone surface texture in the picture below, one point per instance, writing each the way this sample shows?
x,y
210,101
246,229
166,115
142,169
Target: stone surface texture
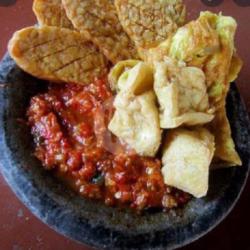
x,y
93,223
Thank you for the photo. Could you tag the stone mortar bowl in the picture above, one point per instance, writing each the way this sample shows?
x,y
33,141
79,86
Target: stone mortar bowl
x,y
91,222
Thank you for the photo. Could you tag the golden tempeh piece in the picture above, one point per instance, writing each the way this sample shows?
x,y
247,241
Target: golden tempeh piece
x,y
57,54
51,13
150,22
99,19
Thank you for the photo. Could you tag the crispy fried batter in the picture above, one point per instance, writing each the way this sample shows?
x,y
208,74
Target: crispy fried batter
x,y
136,116
149,22
208,43
193,43
225,153
99,19
57,54
187,155
182,95
51,13
117,71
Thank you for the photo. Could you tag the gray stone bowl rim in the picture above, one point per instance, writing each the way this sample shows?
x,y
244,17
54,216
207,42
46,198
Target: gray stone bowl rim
x,y
7,65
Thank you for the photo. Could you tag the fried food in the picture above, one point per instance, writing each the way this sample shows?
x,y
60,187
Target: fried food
x,y
187,155
218,67
208,43
51,13
149,22
99,19
137,80
225,153
223,68
196,41
136,118
118,70
56,54
235,68
192,43
182,94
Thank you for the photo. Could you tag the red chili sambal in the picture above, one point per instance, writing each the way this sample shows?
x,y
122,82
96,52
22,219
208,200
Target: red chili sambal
x,y
69,125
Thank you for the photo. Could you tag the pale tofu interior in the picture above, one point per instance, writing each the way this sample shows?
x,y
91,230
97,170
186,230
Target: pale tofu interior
x,y
182,94
118,70
187,155
136,118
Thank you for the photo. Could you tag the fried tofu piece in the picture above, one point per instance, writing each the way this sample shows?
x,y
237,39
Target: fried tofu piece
x,y
207,43
56,54
235,68
136,117
136,122
149,22
225,153
137,80
192,43
222,64
223,68
187,155
182,94
196,41
99,19
51,13
118,70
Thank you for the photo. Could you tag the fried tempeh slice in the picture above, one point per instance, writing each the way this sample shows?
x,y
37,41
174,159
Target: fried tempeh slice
x,y
99,19
51,13
150,22
57,54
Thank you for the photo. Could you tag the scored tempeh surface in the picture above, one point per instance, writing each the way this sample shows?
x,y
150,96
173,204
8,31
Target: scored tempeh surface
x,y
99,19
149,22
57,54
51,13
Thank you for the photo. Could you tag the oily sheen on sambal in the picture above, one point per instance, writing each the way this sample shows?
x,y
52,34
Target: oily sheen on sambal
x,y
69,125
